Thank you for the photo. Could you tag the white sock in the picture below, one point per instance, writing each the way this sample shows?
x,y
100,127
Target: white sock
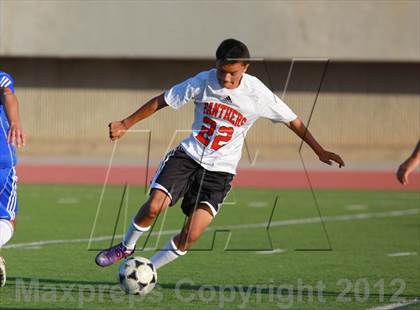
x,y
133,234
6,232
168,254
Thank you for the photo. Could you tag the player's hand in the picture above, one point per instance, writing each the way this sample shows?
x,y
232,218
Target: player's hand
x,y
117,130
402,174
405,169
329,157
16,135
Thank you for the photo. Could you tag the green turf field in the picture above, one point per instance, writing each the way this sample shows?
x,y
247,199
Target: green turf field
x,y
374,257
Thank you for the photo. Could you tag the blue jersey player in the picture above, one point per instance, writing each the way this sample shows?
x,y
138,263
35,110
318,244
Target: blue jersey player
x,y
11,136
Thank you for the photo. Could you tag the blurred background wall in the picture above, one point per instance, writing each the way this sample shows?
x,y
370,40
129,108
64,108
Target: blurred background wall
x,y
80,64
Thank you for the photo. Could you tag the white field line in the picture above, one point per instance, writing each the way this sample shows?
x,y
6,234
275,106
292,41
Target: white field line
x,y
68,200
310,220
402,254
257,204
356,207
272,251
397,305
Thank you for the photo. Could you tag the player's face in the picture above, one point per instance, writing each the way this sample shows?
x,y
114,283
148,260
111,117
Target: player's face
x,y
230,75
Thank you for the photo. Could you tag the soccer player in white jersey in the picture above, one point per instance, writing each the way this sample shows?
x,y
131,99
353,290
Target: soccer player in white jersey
x,y
11,135
227,103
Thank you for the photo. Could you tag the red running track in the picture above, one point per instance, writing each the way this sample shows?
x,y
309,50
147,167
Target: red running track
x,y
259,178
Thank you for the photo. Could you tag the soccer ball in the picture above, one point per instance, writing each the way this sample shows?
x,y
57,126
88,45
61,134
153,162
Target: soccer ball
x,y
137,276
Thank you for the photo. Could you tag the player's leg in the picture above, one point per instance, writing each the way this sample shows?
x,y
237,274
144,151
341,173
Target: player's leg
x,y
178,245
168,185
8,209
196,224
6,233
209,189
158,201
2,272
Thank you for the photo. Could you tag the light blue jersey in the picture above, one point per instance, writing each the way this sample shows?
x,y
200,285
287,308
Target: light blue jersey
x,y
8,179
7,151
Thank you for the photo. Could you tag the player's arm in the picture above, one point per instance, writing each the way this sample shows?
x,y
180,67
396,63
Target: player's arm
x,y
117,129
409,165
15,135
325,156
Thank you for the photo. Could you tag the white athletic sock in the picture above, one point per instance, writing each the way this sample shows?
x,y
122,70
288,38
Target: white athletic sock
x,y
133,234
6,232
168,254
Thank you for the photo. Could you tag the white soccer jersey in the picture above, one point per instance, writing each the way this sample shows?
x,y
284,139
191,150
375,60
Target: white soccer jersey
x,y
224,116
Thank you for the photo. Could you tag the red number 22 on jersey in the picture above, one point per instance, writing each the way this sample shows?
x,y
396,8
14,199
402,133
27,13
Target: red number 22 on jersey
x,y
205,134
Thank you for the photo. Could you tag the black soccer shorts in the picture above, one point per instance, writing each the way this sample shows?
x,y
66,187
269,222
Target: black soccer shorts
x,y
180,176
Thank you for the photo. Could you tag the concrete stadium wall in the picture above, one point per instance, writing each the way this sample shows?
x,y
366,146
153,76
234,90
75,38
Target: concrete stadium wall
x,y
371,30
368,111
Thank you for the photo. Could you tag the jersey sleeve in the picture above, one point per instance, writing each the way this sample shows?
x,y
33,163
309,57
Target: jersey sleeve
x,y
183,92
6,81
272,107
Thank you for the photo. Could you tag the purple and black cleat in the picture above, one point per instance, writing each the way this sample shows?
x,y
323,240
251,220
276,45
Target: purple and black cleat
x,y
112,255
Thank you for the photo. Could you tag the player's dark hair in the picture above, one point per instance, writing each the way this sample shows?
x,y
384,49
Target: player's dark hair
x,y
232,51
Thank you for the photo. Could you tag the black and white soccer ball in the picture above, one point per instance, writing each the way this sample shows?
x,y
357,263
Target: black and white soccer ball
x,y
137,276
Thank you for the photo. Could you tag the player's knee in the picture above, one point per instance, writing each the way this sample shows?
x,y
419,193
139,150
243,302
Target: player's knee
x,y
194,235
153,210
155,206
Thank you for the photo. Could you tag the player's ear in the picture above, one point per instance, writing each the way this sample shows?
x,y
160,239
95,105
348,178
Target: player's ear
x,y
246,67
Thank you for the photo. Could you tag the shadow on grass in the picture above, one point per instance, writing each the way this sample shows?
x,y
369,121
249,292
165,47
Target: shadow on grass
x,y
12,280
20,308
